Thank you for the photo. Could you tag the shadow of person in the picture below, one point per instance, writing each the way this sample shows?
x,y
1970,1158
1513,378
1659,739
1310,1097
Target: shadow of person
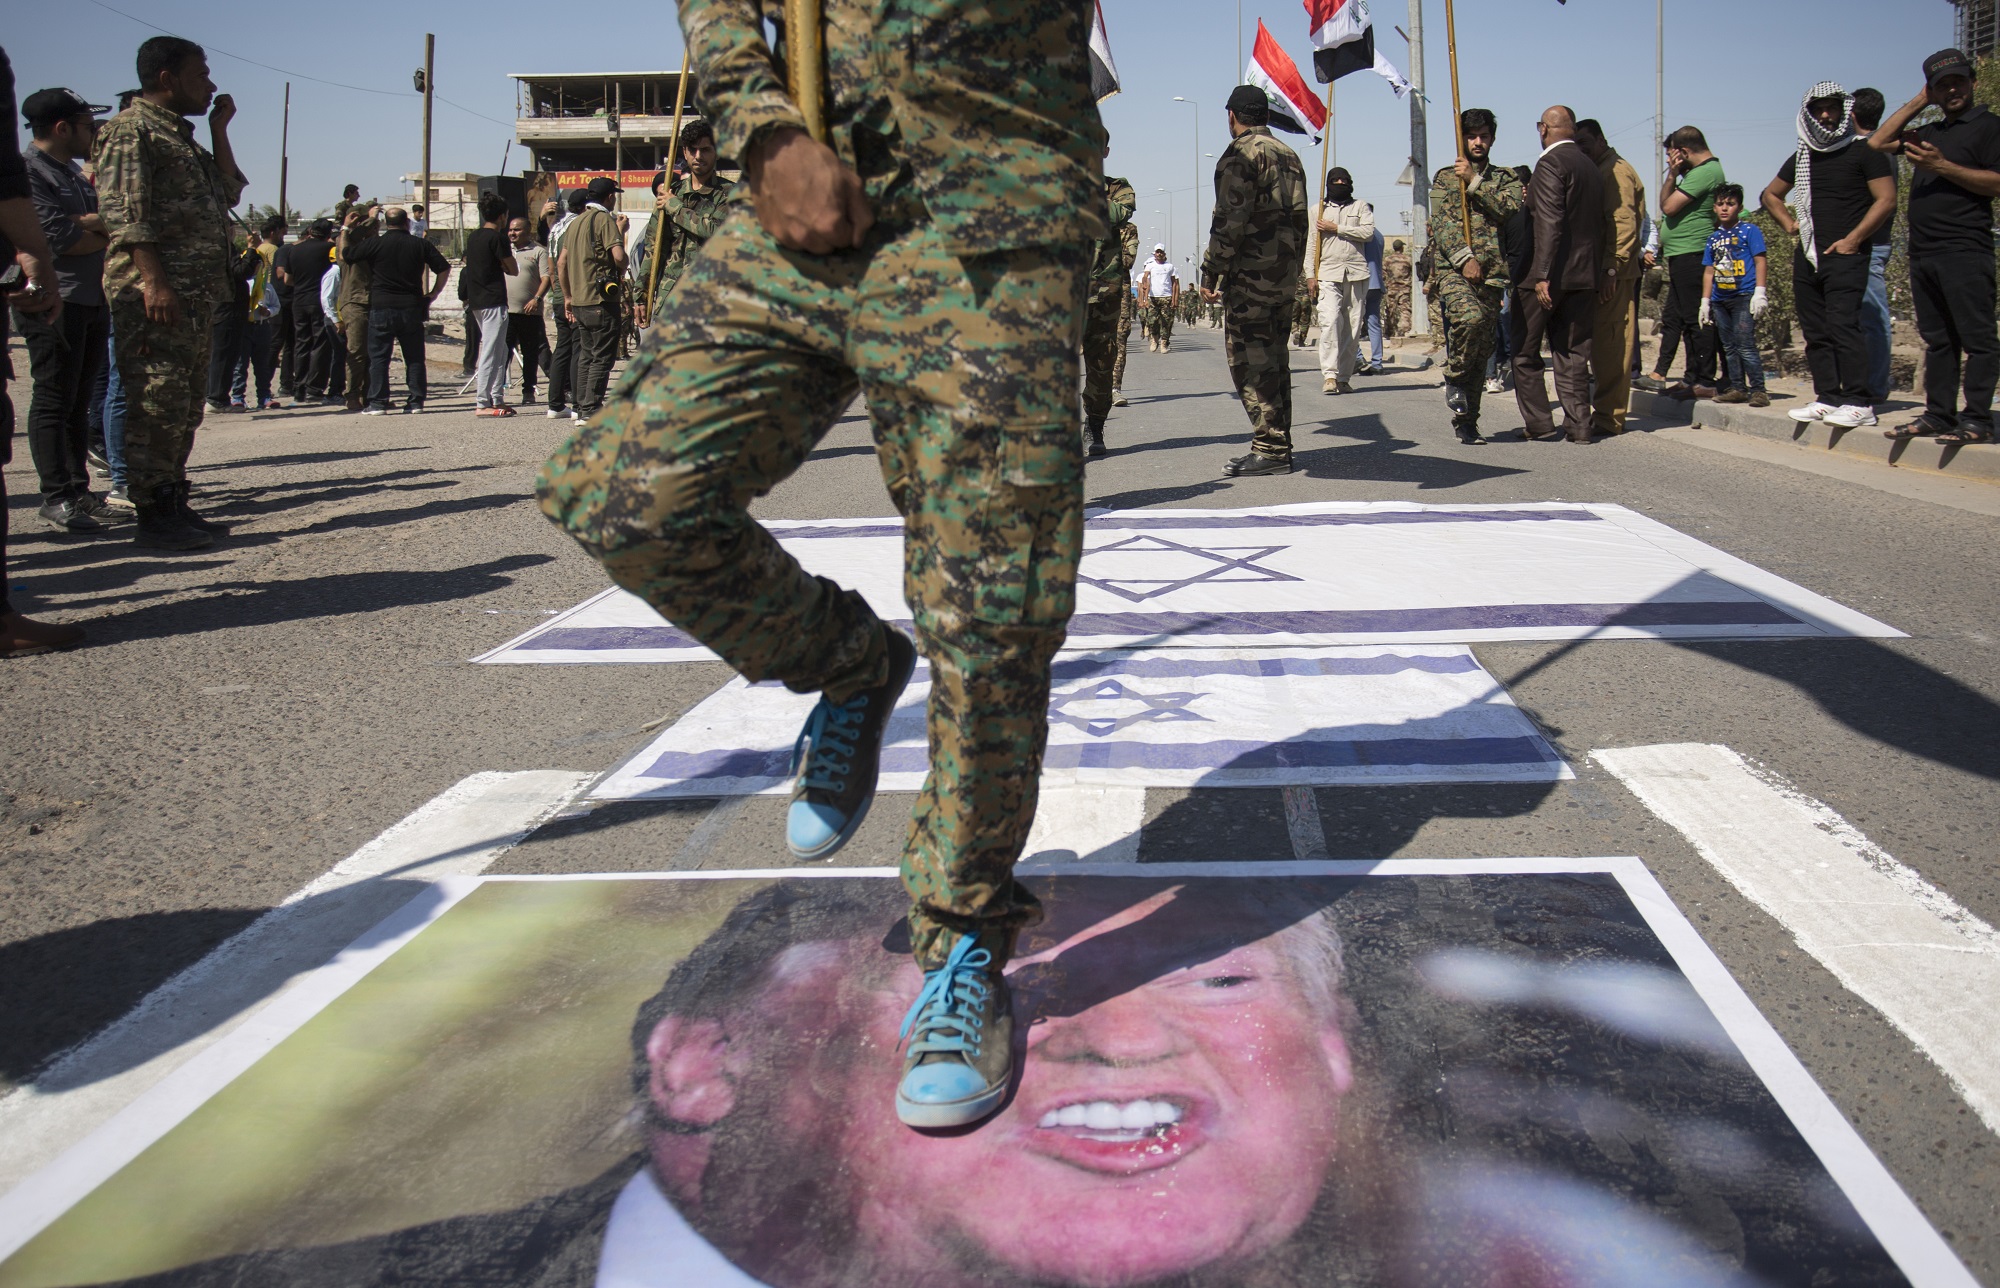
x,y
233,604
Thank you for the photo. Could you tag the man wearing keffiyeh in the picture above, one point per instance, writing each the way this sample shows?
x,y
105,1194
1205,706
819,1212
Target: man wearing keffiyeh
x,y
1833,196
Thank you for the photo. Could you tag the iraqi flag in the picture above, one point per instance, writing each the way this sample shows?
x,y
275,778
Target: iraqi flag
x,y
1343,39
1103,72
1294,108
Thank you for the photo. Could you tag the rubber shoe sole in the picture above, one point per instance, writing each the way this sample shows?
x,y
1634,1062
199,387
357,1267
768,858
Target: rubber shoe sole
x,y
892,690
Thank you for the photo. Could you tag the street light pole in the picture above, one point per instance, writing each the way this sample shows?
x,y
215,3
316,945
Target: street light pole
x,y
1420,166
1660,87
1197,162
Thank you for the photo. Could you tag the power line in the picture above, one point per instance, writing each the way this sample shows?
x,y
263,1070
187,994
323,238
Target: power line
x,y
321,80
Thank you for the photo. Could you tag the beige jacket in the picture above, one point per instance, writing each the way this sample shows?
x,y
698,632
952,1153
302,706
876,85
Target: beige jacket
x,y
1624,212
1341,258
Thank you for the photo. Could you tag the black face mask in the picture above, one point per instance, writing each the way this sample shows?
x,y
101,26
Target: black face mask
x,y
1340,193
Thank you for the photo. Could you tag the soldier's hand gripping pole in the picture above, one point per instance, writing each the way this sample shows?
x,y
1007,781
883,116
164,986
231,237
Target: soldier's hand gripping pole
x,y
805,62
1457,119
667,184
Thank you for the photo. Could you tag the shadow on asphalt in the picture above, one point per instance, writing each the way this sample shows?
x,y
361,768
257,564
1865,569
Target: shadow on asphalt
x,y
58,989
298,458
230,604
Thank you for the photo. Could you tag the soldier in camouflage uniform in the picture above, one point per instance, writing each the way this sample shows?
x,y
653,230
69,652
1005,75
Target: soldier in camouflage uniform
x,y
1159,285
1102,337
1256,243
693,209
166,201
1396,289
1471,280
1128,308
935,258
1304,305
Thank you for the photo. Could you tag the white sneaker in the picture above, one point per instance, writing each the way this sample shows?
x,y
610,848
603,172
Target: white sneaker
x,y
1494,386
556,413
1852,416
1812,411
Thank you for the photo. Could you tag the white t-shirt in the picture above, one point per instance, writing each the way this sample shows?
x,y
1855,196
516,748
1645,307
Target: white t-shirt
x,y
1159,278
530,262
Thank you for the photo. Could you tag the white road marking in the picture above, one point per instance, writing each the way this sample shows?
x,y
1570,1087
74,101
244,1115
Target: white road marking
x,y
1904,946
1086,824
458,833
1303,822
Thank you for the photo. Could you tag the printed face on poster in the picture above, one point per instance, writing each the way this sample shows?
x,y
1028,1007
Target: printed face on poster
x,y
1233,1074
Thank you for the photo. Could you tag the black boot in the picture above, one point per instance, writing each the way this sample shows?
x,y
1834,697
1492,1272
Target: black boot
x,y
1464,403
1093,436
160,524
191,517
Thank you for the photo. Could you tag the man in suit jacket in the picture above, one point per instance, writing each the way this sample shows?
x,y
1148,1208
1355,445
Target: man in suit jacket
x,y
1558,297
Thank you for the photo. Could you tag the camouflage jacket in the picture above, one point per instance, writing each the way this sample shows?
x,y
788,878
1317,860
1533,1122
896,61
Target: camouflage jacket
x,y
1111,268
691,219
1257,237
157,187
1497,194
975,112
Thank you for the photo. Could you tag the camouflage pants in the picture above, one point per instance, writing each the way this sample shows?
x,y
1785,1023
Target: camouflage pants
x,y
1160,319
165,373
1254,336
1103,338
1471,312
758,353
1127,310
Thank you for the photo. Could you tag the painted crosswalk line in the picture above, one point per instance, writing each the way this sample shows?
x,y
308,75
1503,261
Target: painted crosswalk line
x,y
1161,718
1931,967
1290,1073
1315,574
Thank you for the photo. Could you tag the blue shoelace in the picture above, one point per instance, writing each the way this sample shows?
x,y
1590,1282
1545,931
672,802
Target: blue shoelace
x,y
946,1015
832,731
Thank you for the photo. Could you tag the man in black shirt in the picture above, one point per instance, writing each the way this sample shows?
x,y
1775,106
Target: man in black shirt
x,y
1844,194
397,305
489,262
301,266
1951,247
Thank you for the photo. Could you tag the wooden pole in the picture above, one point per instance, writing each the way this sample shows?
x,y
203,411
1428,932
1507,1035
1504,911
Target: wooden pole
x,y
1457,118
805,62
285,152
673,155
1325,157
430,87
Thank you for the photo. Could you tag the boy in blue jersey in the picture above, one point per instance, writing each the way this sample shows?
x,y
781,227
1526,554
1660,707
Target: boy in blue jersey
x,y
1732,294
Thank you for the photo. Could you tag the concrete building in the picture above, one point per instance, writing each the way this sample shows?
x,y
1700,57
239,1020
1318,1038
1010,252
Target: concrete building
x,y
1978,27
578,125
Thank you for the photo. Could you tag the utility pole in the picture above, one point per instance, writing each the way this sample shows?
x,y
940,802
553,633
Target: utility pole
x,y
1420,166
430,84
1660,88
618,136
285,152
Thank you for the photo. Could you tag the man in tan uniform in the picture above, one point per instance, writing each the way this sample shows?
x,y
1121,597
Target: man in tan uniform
x,y
1618,295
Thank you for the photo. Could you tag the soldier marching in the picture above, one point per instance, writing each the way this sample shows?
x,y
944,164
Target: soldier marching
x,y
1471,279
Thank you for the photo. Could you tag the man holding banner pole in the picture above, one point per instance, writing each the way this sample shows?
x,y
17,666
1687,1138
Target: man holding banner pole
x,y
920,231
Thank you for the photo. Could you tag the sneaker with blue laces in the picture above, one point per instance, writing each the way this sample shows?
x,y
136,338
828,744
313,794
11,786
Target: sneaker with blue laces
x,y
960,1057
836,758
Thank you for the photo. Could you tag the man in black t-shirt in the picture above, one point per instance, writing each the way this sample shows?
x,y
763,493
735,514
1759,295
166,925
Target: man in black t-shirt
x,y
1841,191
397,305
301,266
1957,164
489,262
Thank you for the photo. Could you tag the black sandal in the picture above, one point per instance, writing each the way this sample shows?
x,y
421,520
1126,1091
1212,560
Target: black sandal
x,y
1913,429
1961,436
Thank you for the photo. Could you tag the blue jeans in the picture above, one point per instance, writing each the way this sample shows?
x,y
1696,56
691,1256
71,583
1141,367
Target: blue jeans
x,y
1372,310
1875,323
1737,331
114,415
389,330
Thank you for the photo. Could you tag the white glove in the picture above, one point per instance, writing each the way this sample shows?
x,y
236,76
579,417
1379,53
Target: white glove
x,y
1758,303
1701,318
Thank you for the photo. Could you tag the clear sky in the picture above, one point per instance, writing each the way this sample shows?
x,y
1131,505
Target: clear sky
x,y
1737,68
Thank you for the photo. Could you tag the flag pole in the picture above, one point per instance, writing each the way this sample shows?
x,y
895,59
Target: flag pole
x,y
805,62
673,155
1325,154
1457,117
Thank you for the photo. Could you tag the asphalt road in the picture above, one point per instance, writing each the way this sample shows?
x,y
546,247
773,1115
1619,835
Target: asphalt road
x,y
245,717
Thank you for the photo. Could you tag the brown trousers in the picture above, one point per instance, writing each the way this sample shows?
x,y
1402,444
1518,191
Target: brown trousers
x,y
1611,355
1567,327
